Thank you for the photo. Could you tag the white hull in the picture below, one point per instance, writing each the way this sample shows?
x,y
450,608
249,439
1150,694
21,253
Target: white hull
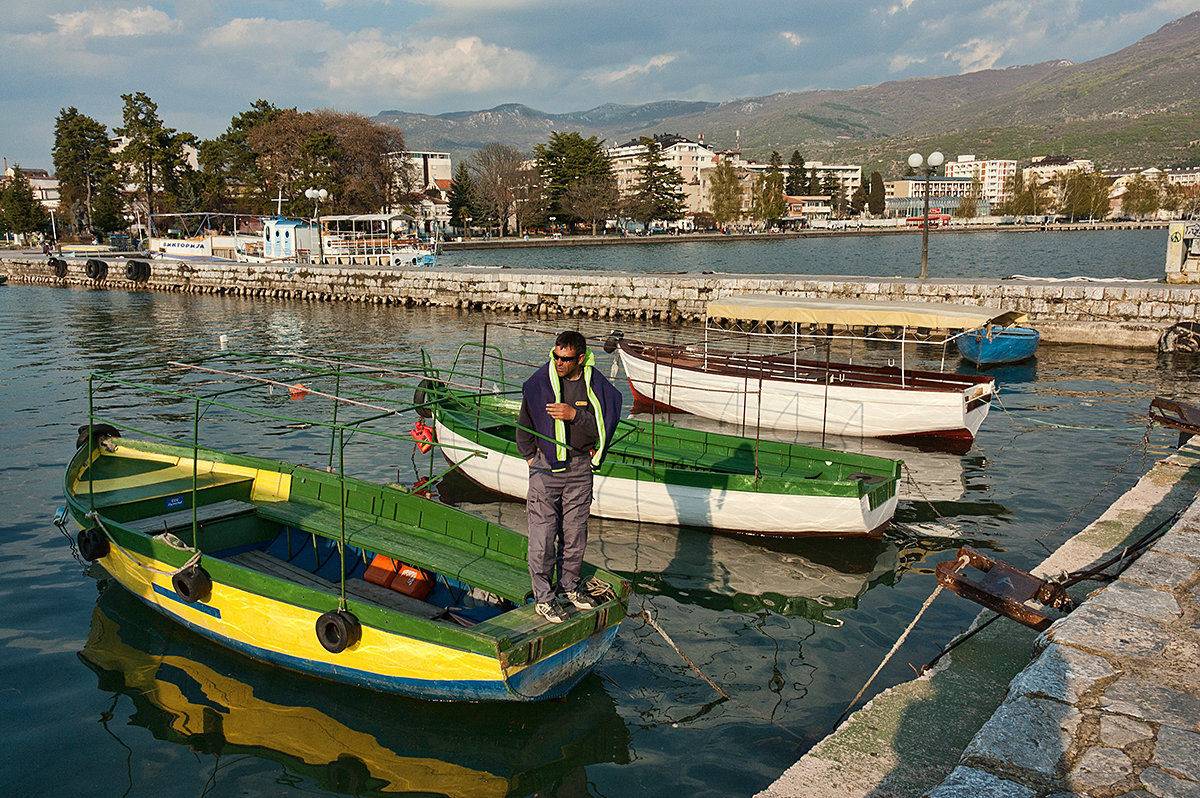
x,y
836,409
659,503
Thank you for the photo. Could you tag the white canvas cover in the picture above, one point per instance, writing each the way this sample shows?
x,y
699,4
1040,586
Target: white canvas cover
x,y
860,313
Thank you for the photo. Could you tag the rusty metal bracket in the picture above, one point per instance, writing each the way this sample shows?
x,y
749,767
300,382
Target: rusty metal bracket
x,y
1176,415
1004,588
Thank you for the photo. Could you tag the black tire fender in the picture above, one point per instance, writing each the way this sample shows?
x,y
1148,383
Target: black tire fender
x,y
95,269
93,544
144,271
337,630
58,267
192,584
132,270
421,396
99,432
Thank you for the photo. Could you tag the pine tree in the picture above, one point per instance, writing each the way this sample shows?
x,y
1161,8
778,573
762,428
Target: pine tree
x,y
876,195
794,185
20,212
84,166
657,194
461,199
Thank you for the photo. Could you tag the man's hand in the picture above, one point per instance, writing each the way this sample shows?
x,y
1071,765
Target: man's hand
x,y
561,411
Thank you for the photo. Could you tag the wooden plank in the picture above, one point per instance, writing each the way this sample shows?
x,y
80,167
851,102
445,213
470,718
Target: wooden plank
x,y
183,518
355,588
161,490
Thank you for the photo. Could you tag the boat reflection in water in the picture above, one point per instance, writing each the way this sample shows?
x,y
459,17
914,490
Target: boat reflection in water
x,y
187,690
797,577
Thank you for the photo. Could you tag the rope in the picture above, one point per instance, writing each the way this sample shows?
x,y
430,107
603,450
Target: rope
x,y
654,624
959,565
1013,417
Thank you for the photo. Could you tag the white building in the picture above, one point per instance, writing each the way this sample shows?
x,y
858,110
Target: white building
x,y
994,176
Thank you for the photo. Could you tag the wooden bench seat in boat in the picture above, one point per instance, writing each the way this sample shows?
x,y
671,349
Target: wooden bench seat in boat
x,y
179,519
736,463
464,564
360,589
215,484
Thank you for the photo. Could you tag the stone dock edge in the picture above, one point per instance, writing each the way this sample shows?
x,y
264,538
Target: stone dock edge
x,y
1115,313
1104,703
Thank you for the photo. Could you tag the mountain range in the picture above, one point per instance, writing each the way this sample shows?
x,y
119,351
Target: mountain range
x,y
1135,107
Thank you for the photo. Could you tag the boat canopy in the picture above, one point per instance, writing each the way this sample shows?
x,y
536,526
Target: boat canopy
x,y
368,217
860,313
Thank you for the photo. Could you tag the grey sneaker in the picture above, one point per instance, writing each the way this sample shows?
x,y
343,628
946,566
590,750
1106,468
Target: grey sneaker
x,y
581,600
550,611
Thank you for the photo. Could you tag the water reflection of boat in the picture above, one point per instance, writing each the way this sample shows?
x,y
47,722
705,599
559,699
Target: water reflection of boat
x,y
346,740
811,578
930,472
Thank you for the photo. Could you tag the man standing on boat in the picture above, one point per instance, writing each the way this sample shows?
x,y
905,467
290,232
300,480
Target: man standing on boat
x,y
569,413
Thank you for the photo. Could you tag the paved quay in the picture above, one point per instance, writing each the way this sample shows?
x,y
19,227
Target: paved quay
x,y
1104,703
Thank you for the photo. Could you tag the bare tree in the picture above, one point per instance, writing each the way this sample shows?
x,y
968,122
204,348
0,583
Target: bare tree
x,y
496,170
590,198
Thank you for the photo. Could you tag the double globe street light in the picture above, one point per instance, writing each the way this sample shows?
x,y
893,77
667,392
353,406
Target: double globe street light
x,y
318,195
930,166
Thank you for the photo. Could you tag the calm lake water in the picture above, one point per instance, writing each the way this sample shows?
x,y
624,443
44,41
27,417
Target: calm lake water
x,y
1128,254
100,697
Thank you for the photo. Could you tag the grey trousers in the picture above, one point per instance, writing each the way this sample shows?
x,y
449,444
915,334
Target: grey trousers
x,y
558,505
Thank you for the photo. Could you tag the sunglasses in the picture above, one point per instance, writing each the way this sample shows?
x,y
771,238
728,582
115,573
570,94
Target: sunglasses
x,y
564,358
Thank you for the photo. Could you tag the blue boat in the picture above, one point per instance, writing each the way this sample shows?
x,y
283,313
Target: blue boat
x,y
997,345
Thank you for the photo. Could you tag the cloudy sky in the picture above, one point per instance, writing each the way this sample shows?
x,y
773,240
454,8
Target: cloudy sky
x,y
203,61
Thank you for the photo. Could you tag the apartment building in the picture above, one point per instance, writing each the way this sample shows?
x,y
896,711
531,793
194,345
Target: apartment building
x,y
994,175
686,156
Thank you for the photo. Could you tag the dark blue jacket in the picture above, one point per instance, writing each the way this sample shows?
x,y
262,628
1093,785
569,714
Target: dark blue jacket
x,y
604,402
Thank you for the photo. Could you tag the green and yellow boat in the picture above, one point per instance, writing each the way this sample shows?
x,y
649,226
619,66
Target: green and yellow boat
x,y
314,570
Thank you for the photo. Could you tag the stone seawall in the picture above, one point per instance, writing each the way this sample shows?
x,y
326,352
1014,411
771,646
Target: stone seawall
x,y
1105,313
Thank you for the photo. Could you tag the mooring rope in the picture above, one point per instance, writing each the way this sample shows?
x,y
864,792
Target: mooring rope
x,y
654,624
958,566
1013,417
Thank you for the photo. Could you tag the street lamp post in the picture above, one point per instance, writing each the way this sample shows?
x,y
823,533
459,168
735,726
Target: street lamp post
x,y
317,195
931,164
552,218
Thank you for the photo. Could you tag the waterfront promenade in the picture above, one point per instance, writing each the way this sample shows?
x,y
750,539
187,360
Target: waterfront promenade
x,y
1119,313
1105,703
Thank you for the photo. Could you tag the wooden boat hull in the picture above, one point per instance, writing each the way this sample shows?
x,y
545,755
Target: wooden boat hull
x,y
663,489
998,346
271,613
851,401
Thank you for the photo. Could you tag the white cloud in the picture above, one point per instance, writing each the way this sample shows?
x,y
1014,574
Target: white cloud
x,y
794,39
903,5
371,65
976,54
655,63
120,22
902,62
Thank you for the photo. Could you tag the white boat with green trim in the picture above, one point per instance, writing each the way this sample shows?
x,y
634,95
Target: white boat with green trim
x,y
660,473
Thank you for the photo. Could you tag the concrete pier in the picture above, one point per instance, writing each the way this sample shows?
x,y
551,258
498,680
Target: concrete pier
x,y
1132,314
1105,703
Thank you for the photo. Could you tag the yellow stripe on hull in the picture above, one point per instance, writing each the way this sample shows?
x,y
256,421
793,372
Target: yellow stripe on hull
x,y
275,630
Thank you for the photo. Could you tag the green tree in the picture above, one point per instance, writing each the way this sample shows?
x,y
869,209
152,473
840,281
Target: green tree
x,y
462,197
153,152
794,185
568,159
876,195
20,212
725,193
767,203
1025,199
84,166
1083,195
233,180
858,201
1141,197
775,162
814,183
831,187
658,193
